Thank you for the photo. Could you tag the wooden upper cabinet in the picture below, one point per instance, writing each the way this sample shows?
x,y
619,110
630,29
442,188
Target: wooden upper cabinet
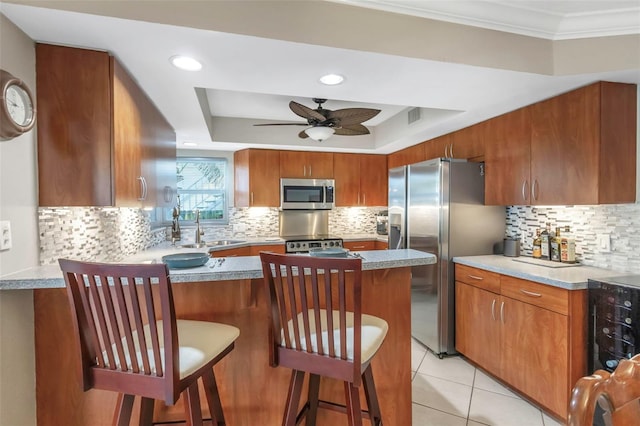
x,y
468,143
437,147
583,146
99,135
257,178
361,179
410,155
303,164
507,159
73,90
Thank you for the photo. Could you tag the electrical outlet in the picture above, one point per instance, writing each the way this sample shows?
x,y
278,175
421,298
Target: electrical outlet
x,y
5,235
603,242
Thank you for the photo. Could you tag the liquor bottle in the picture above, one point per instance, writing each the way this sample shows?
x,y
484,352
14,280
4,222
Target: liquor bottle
x,y
567,247
545,248
537,245
555,245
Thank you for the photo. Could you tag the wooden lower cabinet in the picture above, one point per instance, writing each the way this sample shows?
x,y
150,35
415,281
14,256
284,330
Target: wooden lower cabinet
x,y
534,339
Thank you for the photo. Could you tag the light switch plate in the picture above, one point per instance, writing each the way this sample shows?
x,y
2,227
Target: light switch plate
x,y
5,235
603,242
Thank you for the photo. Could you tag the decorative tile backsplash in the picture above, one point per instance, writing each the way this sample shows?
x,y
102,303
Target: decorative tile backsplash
x,y
620,221
110,234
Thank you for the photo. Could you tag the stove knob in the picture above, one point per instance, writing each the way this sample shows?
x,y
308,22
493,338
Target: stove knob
x,y
297,245
331,244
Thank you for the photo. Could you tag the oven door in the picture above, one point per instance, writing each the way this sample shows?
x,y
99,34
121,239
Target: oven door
x,y
306,194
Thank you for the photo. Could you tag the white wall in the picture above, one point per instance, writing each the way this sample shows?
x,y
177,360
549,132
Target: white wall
x,y
18,204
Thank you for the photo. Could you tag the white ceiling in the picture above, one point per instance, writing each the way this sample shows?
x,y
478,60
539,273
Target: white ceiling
x,y
250,79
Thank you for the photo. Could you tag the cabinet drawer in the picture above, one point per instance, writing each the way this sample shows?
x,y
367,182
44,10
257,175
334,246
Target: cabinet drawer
x,y
359,245
478,278
545,296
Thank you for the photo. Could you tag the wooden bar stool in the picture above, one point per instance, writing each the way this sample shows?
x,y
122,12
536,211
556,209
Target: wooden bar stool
x,y
617,393
130,341
312,331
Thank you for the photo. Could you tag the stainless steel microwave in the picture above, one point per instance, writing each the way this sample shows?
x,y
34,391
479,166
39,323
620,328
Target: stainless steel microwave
x,y
307,194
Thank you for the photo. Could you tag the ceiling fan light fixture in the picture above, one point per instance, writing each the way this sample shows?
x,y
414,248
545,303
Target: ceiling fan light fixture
x,y
185,63
319,133
331,79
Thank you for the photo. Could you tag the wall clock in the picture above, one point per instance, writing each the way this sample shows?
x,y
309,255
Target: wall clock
x,y
17,111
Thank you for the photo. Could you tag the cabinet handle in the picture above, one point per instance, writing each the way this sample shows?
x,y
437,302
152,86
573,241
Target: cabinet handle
x,y
143,188
310,174
530,293
525,189
251,203
358,198
493,306
475,277
502,312
358,247
446,147
451,150
534,189
364,199
304,171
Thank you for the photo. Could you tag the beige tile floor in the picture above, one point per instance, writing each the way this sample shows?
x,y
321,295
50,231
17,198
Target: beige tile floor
x,y
452,392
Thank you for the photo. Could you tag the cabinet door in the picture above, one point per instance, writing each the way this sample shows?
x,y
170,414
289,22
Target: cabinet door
x,y
257,178
468,143
565,135
346,172
535,353
478,331
320,165
437,147
507,159
373,180
293,164
165,163
410,155
73,92
129,136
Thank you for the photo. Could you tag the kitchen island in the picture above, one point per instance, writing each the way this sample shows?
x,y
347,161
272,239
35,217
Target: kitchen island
x,y
252,392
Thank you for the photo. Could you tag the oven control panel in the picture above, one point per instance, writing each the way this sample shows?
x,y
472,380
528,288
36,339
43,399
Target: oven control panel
x,y
303,246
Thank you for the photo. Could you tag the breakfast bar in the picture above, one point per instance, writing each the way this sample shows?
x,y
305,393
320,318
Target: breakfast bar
x,y
227,291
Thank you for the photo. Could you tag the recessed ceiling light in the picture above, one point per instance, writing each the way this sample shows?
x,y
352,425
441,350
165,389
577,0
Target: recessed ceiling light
x,y
331,79
185,63
189,144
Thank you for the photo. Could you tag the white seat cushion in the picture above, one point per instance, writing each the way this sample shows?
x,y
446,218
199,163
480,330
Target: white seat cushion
x,y
199,342
374,330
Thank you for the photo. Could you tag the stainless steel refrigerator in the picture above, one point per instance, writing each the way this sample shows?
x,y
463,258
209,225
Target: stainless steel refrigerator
x,y
437,206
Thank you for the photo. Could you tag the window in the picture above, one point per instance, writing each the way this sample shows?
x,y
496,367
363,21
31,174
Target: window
x,y
202,186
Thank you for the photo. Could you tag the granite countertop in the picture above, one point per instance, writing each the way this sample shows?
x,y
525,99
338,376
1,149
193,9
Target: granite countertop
x,y
233,268
569,277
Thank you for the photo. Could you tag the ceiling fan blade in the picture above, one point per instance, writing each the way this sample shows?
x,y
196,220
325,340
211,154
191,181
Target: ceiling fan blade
x,y
349,116
306,112
303,134
352,130
282,124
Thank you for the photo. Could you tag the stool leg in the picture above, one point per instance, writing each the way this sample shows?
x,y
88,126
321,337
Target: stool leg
x,y
146,411
293,398
352,396
192,405
314,390
372,397
124,406
213,398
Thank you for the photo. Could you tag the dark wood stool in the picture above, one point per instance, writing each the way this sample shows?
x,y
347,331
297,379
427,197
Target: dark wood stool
x,y
312,331
130,341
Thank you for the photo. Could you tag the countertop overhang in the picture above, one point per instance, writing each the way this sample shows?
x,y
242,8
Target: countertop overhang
x,y
233,268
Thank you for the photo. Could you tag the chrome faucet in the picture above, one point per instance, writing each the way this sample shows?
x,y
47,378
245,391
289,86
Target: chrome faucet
x,y
199,232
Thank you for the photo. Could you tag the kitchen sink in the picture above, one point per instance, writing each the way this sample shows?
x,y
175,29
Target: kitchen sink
x,y
216,243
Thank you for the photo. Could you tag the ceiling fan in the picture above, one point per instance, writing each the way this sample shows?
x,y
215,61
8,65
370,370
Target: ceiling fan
x,y
325,122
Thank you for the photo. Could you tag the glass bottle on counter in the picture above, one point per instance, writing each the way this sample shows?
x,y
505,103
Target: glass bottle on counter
x,y
537,245
567,247
545,247
555,246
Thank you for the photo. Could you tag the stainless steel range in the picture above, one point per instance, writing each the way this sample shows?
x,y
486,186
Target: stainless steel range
x,y
302,244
